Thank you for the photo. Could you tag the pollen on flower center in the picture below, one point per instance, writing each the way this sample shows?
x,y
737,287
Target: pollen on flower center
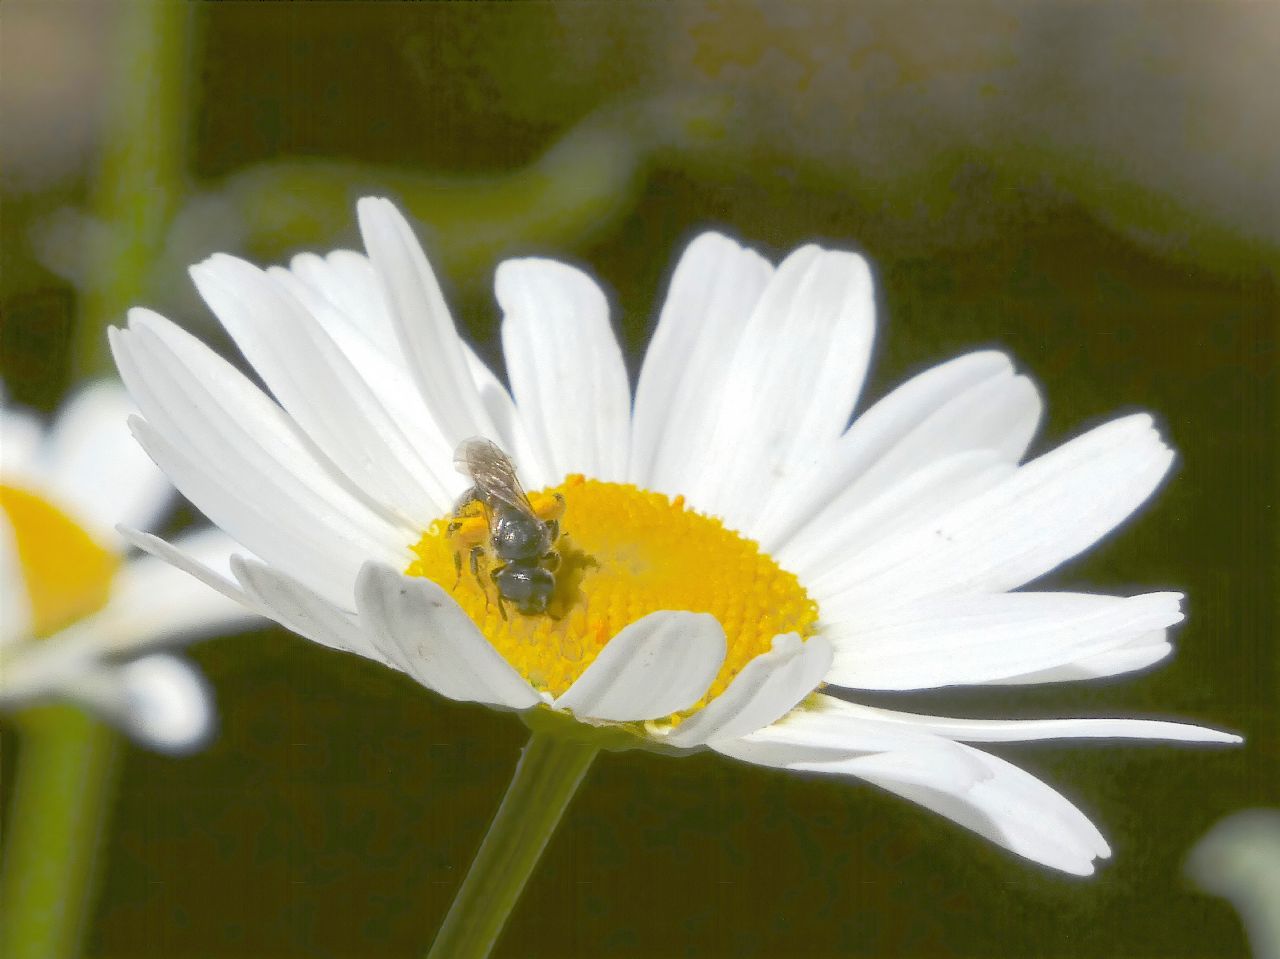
x,y
626,552
67,572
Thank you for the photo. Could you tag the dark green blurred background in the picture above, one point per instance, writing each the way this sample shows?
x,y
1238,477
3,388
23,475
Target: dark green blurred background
x,y
1094,189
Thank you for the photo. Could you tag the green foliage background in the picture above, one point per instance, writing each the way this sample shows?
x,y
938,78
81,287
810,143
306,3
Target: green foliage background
x,y
340,804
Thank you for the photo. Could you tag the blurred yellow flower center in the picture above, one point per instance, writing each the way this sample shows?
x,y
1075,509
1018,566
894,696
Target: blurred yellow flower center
x,y
67,572
626,552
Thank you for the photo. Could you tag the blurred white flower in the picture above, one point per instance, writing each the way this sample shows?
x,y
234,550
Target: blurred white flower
x,y
80,619
729,543
1239,860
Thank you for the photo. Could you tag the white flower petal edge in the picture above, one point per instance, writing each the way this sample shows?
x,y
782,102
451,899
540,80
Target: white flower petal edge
x,y
1139,653
1026,730
244,461
826,475
428,339
988,637
346,280
974,789
159,700
766,689
660,664
926,494
155,604
714,290
765,425
422,630
566,369
342,292
1047,512
993,420
320,388
92,460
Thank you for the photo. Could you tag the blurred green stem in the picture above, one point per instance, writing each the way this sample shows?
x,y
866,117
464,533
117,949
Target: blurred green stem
x,y
550,770
68,762
139,176
65,779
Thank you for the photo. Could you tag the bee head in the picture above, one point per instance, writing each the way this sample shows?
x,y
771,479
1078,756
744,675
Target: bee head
x,y
529,587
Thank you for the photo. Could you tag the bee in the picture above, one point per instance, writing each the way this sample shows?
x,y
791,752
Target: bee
x,y
494,521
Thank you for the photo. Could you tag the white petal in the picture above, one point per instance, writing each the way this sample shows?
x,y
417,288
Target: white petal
x,y
714,290
565,366
976,790
321,388
159,700
215,579
267,523
818,732
417,435
95,466
795,376
1013,809
21,442
1023,730
240,459
170,705
1139,653
154,603
509,429
1000,414
767,688
994,419
305,612
656,666
424,328
1050,510
425,633
347,281
820,476
920,498
976,639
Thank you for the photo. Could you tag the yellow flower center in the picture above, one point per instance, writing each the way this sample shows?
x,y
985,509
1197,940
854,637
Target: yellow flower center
x,y
68,573
626,552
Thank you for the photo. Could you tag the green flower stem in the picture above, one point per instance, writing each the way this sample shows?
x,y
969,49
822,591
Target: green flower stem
x,y
549,773
66,776
140,169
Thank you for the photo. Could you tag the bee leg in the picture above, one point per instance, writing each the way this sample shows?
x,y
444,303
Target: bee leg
x,y
551,561
466,499
502,609
476,552
457,566
554,528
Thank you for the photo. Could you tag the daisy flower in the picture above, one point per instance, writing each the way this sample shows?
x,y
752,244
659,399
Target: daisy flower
x,y
733,554
79,618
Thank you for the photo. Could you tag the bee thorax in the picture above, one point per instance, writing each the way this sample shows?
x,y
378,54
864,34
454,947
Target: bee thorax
x,y
518,537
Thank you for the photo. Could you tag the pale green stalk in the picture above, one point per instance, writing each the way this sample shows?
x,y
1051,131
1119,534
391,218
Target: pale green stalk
x,y
549,773
62,796
140,174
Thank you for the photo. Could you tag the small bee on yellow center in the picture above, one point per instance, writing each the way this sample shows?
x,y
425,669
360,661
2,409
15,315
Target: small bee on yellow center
x,y
615,554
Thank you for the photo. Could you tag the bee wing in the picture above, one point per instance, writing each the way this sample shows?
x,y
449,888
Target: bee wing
x,y
492,472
